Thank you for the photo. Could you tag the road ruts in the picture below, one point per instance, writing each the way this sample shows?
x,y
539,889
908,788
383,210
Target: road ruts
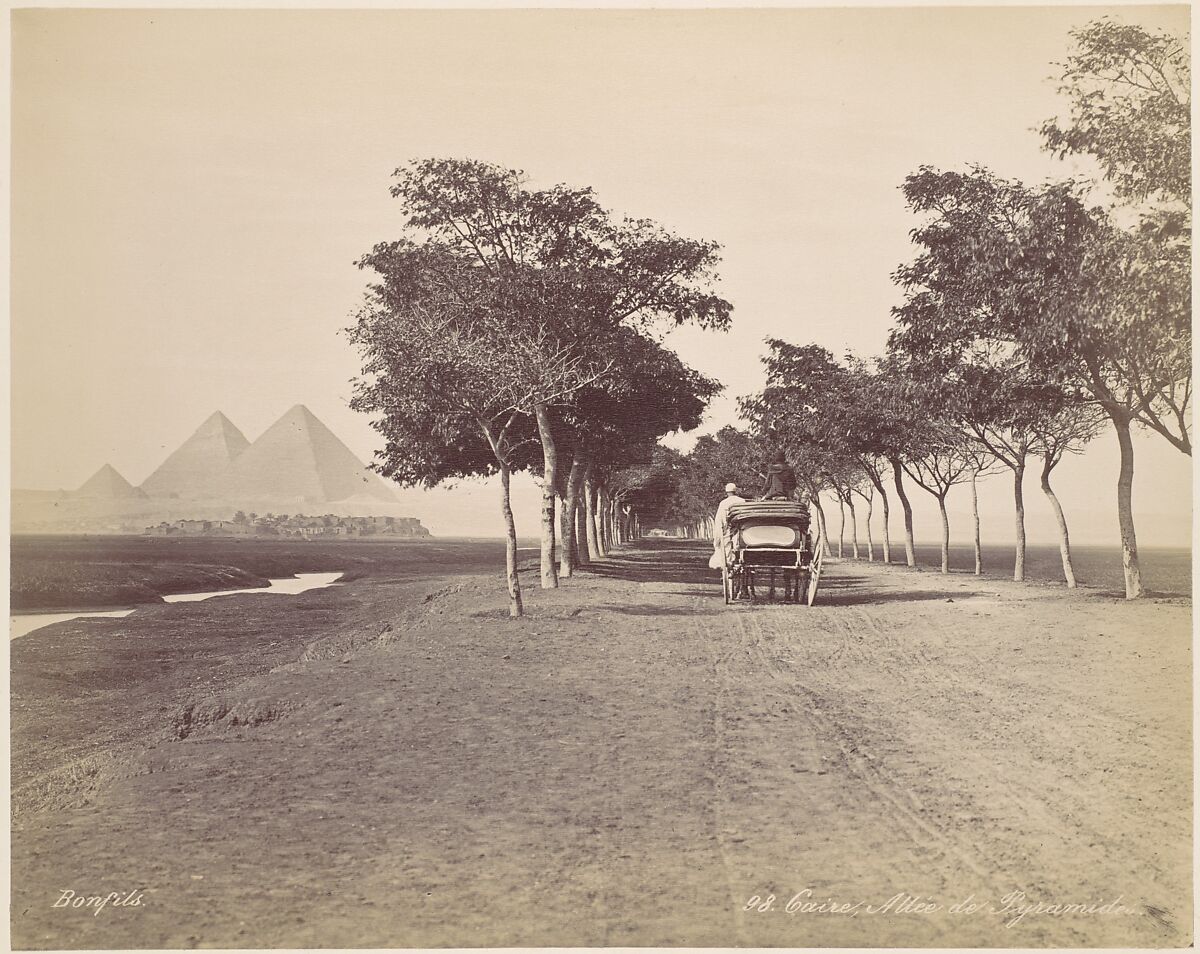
x,y
842,721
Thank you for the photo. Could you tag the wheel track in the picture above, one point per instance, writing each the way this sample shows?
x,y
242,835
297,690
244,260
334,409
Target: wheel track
x,y
865,769
870,772
718,666
760,643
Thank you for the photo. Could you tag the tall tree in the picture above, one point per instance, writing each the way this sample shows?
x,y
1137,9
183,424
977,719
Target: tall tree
x,y
451,388
561,267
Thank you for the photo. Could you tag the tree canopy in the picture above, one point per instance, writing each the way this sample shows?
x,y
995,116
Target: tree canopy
x,y
1130,99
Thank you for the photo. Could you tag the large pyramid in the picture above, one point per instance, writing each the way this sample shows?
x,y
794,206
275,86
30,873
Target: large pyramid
x,y
299,458
107,484
197,468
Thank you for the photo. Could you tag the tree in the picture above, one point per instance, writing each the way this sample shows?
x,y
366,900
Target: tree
x,y
728,456
1035,275
945,461
454,384
649,393
845,477
647,488
561,268
893,408
867,492
983,464
934,451
1065,431
838,420
1129,94
1000,408
877,474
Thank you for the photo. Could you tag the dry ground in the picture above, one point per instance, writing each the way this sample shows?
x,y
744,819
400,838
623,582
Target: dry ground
x,y
634,761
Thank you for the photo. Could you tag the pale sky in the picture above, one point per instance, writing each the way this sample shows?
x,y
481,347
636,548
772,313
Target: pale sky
x,y
191,189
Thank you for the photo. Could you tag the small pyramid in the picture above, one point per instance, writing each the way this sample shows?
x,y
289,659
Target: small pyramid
x,y
299,457
198,466
108,484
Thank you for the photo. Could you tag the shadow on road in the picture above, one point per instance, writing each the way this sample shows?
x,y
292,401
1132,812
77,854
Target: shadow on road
x,y
833,596
657,609
661,561
685,562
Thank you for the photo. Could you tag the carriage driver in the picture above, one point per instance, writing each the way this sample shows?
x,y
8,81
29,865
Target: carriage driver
x,y
780,482
721,523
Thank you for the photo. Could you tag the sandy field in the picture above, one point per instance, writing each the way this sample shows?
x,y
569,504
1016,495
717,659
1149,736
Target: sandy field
x,y
918,761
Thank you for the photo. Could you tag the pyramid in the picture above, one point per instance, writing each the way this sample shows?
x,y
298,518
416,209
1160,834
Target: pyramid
x,y
106,483
299,458
197,468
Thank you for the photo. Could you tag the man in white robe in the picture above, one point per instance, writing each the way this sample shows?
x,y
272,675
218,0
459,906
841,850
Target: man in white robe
x,y
720,525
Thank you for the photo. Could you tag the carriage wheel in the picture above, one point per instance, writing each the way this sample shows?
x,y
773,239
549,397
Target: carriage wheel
x,y
814,577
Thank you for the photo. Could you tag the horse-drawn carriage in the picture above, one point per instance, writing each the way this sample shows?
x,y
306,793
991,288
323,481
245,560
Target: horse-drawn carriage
x,y
769,542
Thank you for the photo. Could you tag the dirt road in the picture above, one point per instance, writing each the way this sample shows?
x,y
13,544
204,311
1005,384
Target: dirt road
x,y
634,762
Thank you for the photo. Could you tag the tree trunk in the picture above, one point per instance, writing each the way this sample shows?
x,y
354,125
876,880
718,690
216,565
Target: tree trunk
x,y
945,535
590,493
559,510
909,547
1019,503
582,550
563,531
515,607
853,526
604,524
975,514
870,542
841,526
1064,538
549,480
887,541
601,530
1129,554
567,548
816,499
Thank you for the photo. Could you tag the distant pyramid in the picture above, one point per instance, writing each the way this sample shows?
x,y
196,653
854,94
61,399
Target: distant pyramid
x,y
106,483
300,458
197,468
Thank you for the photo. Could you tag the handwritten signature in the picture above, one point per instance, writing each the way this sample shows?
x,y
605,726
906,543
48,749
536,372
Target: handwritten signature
x,y
1012,908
